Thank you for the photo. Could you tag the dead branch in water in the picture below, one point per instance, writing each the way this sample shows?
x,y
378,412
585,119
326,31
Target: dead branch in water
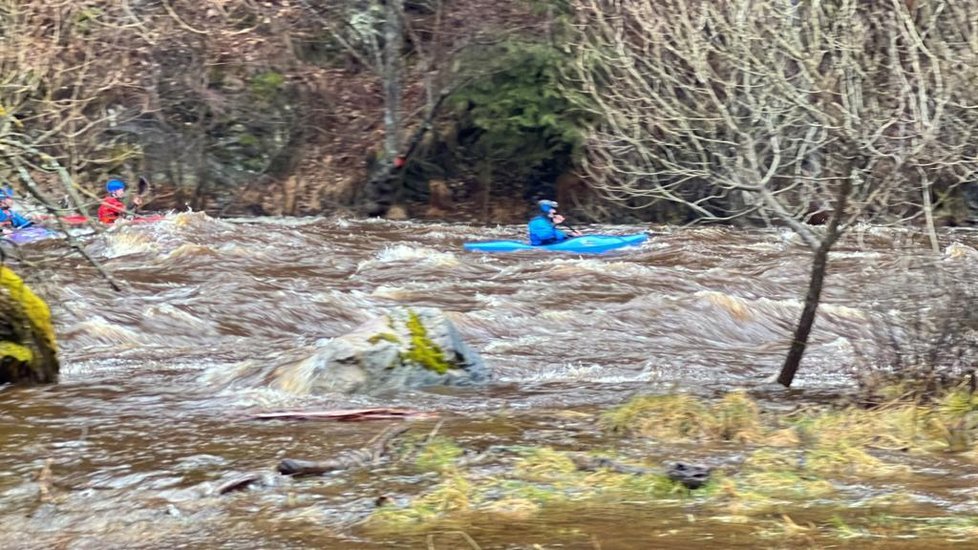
x,y
588,463
44,481
412,454
345,415
468,539
352,458
237,483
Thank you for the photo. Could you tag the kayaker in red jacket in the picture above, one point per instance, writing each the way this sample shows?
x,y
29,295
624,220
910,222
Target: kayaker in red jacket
x,y
112,206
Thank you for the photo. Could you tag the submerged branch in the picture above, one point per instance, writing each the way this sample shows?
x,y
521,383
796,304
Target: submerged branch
x,y
72,241
352,458
345,415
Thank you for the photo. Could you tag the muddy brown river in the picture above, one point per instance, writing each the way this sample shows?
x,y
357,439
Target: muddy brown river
x,y
135,437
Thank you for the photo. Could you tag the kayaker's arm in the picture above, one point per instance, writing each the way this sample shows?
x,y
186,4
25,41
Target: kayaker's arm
x,y
559,220
573,232
134,205
142,186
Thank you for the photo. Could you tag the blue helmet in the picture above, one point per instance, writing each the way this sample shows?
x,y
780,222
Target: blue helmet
x,y
115,185
547,206
6,193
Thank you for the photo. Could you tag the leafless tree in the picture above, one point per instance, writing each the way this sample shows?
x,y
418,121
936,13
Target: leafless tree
x,y
373,33
56,81
772,110
415,49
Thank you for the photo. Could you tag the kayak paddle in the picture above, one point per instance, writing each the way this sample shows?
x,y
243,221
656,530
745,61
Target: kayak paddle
x,y
142,186
569,226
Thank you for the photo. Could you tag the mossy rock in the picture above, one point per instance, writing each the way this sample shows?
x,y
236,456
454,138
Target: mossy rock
x,y
28,348
403,349
422,351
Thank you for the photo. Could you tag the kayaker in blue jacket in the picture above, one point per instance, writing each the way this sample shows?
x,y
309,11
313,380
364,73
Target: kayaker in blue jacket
x,y
543,227
9,219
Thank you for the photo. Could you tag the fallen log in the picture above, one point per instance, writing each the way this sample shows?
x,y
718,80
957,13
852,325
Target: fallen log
x,y
691,476
237,483
352,458
594,463
345,415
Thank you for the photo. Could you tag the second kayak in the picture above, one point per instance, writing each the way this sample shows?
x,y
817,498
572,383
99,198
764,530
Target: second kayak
x,y
30,234
587,244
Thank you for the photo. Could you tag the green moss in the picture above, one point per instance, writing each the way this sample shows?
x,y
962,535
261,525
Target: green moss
x,y
531,492
438,455
89,14
907,526
16,351
678,417
265,85
423,351
249,140
452,496
31,350
958,404
384,337
842,529
648,485
772,459
544,464
784,484
845,460
660,416
759,493
35,308
737,418
798,483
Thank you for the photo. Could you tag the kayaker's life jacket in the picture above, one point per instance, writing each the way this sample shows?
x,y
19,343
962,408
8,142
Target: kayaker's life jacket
x,y
110,209
543,231
13,219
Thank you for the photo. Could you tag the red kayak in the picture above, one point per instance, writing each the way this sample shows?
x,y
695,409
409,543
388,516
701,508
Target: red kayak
x,y
76,219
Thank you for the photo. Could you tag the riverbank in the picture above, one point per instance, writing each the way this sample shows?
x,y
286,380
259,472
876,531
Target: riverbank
x,y
820,475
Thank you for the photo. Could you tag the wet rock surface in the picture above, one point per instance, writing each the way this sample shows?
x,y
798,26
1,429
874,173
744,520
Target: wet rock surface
x,y
402,349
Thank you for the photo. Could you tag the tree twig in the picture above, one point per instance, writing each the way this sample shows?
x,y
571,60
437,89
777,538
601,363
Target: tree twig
x,y
72,241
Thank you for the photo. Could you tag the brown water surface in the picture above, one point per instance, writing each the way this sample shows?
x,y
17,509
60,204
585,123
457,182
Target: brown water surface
x,y
135,439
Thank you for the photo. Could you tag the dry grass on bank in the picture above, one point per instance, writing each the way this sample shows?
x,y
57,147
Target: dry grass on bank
x,y
804,464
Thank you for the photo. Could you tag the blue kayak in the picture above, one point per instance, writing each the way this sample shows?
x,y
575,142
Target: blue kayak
x,y
587,244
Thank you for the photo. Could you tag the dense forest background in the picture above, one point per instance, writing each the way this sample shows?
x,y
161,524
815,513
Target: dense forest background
x,y
471,109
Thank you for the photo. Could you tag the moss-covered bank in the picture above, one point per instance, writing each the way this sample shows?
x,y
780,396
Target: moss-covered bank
x,y
28,348
815,476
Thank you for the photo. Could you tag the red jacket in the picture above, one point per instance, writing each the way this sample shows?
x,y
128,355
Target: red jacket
x,y
110,209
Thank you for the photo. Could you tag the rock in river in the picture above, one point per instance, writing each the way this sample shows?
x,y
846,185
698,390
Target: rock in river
x,y
404,348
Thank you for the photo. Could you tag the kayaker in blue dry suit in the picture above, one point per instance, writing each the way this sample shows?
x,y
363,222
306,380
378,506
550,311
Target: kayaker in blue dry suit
x,y
543,228
9,219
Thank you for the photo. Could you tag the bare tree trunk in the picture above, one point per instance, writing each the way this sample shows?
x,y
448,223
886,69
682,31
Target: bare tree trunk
x,y
819,267
393,75
35,192
929,216
485,181
381,188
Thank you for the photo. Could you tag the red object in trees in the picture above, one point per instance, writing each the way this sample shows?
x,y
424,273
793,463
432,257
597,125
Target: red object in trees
x,y
399,161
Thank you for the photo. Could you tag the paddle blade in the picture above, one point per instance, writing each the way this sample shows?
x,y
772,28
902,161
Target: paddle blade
x,y
142,186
